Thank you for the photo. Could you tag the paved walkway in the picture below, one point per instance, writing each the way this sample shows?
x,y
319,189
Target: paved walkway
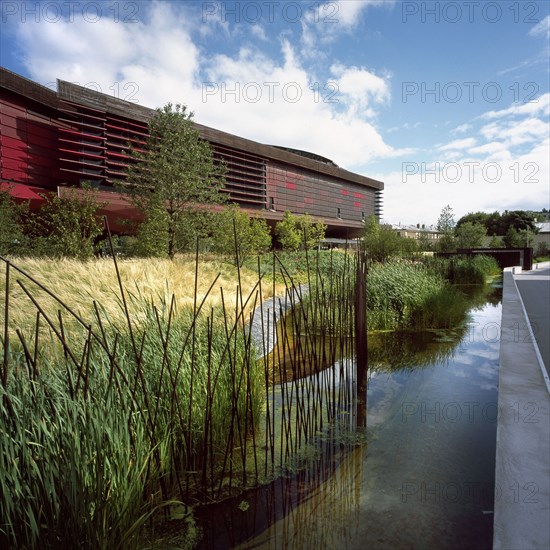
x,y
522,471
534,289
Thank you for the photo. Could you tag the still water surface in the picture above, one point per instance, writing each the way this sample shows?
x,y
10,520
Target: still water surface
x,y
423,475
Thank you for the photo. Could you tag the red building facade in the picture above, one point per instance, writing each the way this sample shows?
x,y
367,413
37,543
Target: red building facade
x,y
54,140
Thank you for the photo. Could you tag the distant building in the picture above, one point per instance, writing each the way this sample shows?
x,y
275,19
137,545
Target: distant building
x,y
543,236
51,140
417,231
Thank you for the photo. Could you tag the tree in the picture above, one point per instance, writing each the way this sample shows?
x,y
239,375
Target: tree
x,y
513,239
518,238
495,242
11,231
425,244
446,225
474,217
446,220
499,224
253,236
299,232
173,178
67,225
381,242
470,235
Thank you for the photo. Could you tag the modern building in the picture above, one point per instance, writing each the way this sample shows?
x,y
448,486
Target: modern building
x,y
51,140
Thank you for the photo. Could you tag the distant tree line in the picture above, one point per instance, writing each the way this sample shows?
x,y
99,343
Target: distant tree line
x,y
513,229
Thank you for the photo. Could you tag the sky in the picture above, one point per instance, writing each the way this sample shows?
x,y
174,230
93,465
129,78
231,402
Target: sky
x,y
445,102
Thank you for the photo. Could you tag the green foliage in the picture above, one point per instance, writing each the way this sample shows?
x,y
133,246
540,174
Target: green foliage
x,y
299,232
425,244
174,175
326,262
12,238
103,425
66,225
403,295
498,224
470,235
446,220
464,269
513,238
382,243
446,225
542,249
446,243
495,242
236,232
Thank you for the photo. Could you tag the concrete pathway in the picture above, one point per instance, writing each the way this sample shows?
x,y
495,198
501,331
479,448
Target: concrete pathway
x,y
534,289
522,471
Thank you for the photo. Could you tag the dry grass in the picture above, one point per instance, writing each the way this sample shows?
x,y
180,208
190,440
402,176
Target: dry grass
x,y
78,284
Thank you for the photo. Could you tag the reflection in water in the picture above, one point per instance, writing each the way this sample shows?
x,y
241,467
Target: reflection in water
x,y
422,476
324,497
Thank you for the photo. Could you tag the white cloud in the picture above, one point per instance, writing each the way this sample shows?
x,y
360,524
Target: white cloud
x,y
462,128
405,126
502,165
516,133
348,13
540,105
360,88
488,148
268,98
158,59
418,192
542,28
259,32
324,22
465,143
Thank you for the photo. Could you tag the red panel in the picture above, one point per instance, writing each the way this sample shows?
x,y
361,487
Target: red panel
x,y
358,196
14,164
345,192
20,191
13,124
14,132
14,174
290,185
8,110
357,204
39,130
9,153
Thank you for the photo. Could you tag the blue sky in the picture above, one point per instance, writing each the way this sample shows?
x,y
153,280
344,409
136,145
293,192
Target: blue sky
x,y
445,102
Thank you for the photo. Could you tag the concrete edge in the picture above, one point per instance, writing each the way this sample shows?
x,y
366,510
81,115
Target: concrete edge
x,y
522,465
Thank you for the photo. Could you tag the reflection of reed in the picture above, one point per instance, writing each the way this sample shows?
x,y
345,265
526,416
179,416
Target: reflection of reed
x,y
392,351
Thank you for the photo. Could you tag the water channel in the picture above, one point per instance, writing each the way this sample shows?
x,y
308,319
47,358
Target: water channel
x,y
420,476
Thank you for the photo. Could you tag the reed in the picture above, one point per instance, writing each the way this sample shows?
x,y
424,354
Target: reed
x,y
117,415
402,295
465,269
106,424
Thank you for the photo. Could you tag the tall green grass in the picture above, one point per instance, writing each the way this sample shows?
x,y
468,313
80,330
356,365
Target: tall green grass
x,y
104,423
403,295
465,269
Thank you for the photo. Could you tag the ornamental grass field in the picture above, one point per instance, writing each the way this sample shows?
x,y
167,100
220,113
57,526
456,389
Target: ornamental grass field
x,y
121,394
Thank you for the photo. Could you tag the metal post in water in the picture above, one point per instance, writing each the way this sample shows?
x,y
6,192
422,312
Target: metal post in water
x,y
360,336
